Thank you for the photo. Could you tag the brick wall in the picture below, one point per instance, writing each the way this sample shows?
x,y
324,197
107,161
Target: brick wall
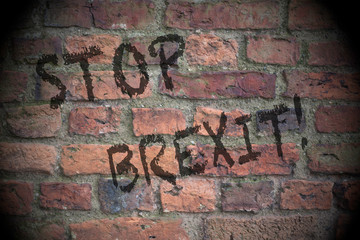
x,y
164,119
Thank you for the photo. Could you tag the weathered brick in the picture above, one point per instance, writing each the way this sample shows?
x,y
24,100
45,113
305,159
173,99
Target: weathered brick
x,y
12,86
302,194
338,119
340,158
211,115
67,13
33,121
102,81
269,227
113,200
142,45
323,85
128,14
27,157
266,49
211,50
309,15
348,194
94,121
148,121
106,43
189,195
16,197
30,50
222,15
268,163
135,228
67,196
331,53
216,85
94,159
52,231
246,196
287,122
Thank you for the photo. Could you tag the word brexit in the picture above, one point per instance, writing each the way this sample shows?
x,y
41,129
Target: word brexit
x,y
125,166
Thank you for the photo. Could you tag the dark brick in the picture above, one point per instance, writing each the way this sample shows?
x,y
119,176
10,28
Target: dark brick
x,y
16,197
113,200
348,194
246,196
12,86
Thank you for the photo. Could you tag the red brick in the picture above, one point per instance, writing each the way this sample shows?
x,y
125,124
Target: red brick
x,y
309,15
12,86
211,115
128,14
348,194
16,197
67,196
330,53
94,121
346,226
340,158
266,49
107,44
268,163
323,85
301,194
223,15
338,119
211,50
113,200
189,195
217,85
94,159
30,50
27,157
53,232
103,83
142,45
148,121
246,196
34,121
268,227
134,228
67,13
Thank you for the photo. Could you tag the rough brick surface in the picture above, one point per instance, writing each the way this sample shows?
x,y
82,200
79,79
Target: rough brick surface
x,y
27,157
128,14
266,49
211,50
266,164
322,85
217,85
113,200
65,196
212,116
133,228
53,232
271,227
104,86
107,44
189,195
309,15
93,159
301,194
338,119
12,86
348,194
222,15
67,13
94,121
331,53
31,49
16,197
246,196
147,121
34,121
338,158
